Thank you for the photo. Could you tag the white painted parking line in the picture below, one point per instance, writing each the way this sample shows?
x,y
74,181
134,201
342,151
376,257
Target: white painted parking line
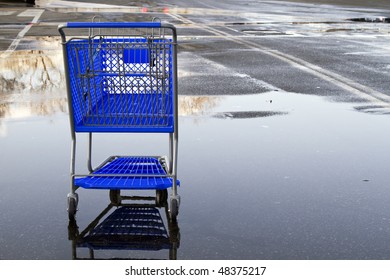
x,y
6,13
31,13
36,13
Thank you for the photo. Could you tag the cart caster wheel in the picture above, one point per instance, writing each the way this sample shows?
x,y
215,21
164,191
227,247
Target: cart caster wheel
x,y
161,197
174,209
115,197
73,200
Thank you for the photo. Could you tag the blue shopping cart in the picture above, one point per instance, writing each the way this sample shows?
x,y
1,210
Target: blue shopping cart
x,y
122,78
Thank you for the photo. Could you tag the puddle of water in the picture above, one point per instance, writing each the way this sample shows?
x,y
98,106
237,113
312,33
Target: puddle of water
x,y
32,84
376,19
33,71
271,172
352,3
243,106
243,171
295,171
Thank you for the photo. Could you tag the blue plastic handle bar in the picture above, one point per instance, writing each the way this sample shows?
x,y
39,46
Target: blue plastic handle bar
x,y
113,24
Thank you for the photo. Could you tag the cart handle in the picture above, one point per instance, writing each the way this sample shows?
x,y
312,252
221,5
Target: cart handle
x,y
113,25
154,24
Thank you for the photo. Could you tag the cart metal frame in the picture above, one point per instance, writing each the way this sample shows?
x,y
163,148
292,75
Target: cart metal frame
x,y
112,70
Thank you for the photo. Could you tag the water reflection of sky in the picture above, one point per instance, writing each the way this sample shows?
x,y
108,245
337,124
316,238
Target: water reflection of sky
x,y
311,182
32,83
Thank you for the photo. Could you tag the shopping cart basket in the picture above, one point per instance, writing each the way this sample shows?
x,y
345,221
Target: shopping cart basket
x,y
122,78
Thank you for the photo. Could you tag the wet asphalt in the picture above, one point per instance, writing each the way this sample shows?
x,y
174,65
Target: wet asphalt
x,y
284,130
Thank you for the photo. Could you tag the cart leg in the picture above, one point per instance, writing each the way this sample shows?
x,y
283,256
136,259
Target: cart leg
x,y
171,152
89,163
175,198
73,198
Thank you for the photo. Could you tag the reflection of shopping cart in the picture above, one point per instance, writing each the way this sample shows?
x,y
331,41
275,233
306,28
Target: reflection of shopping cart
x,y
123,232
122,77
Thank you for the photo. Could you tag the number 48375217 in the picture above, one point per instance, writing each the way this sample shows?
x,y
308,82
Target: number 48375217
x,y
242,270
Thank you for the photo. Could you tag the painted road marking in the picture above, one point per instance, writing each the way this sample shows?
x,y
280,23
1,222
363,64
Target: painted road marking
x,y
349,85
31,13
6,13
36,13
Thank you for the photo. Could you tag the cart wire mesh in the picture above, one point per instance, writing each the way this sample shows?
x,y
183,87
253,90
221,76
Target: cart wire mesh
x,y
128,166
123,82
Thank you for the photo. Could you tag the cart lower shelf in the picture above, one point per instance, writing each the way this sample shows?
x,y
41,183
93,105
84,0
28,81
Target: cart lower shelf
x,y
119,170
